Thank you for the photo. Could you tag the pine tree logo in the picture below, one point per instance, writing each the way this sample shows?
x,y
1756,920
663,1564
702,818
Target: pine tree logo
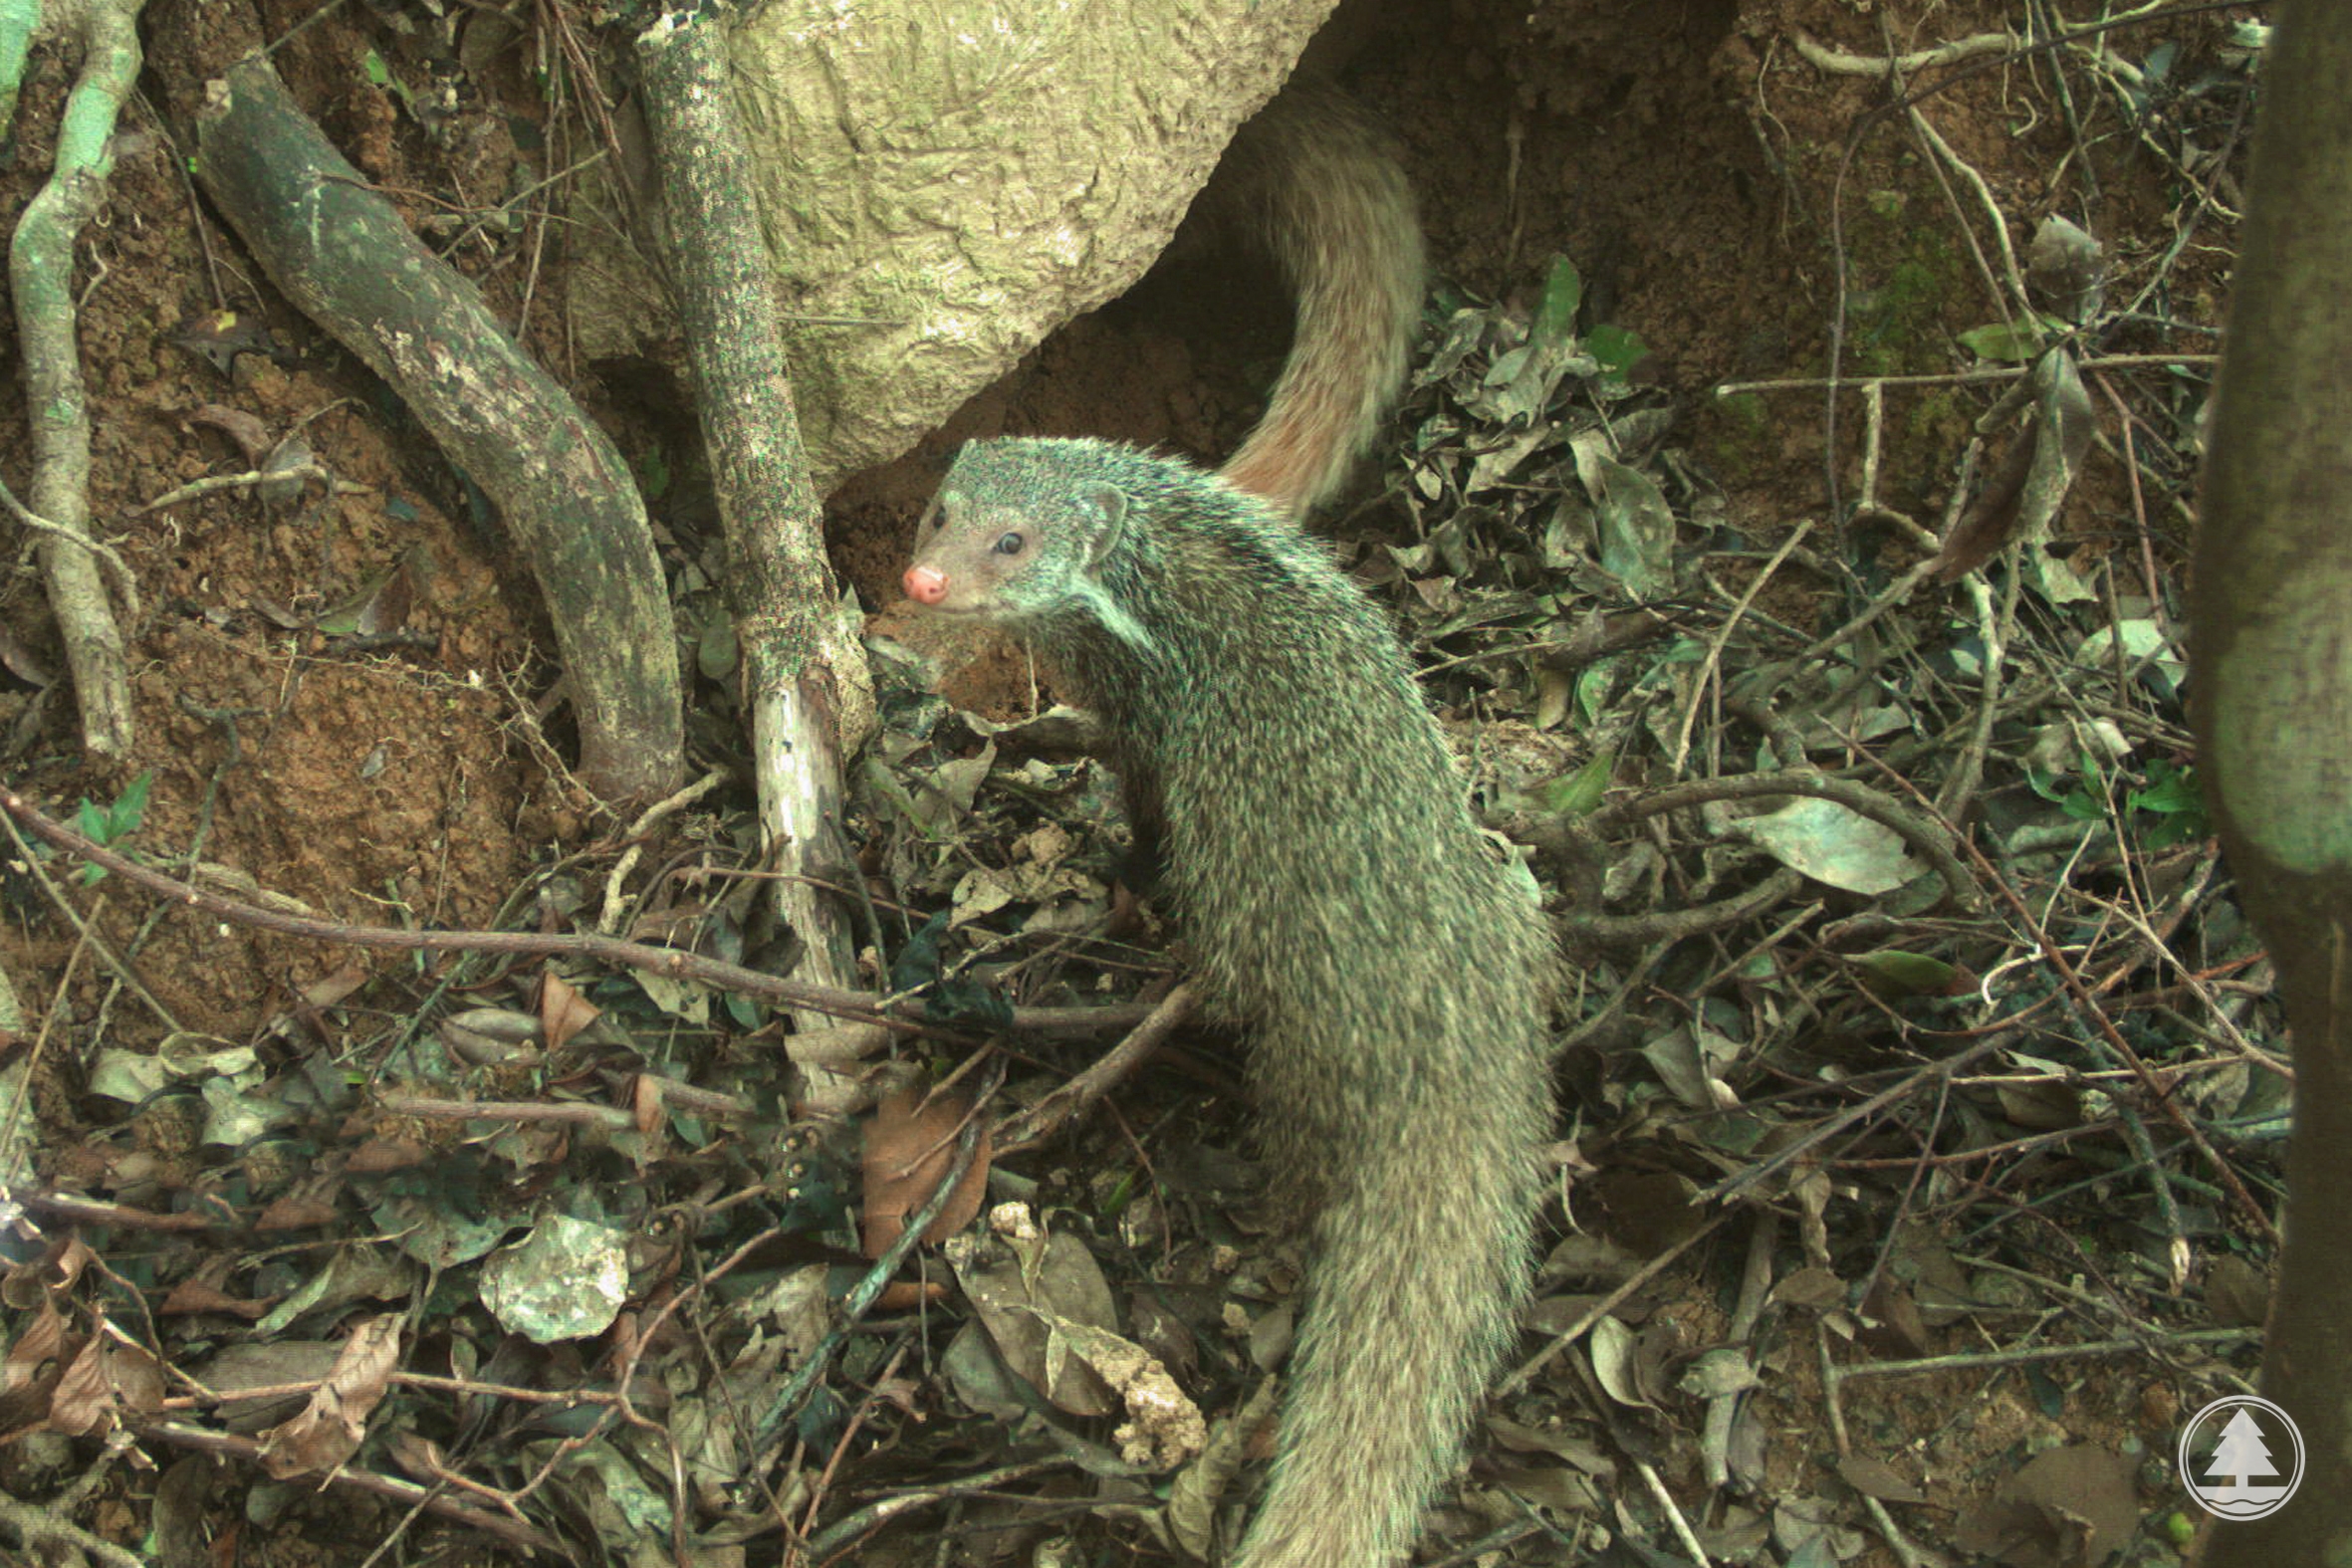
x,y
2232,1453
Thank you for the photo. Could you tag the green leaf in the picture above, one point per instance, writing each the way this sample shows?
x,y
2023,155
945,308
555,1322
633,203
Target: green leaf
x,y
1577,793
653,475
1893,973
918,962
2173,798
2169,790
346,619
1593,686
131,807
1618,349
2002,342
2084,807
104,824
1555,317
377,72
969,1002
2084,799
111,825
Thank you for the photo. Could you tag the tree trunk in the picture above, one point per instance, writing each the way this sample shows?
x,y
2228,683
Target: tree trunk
x,y
2273,710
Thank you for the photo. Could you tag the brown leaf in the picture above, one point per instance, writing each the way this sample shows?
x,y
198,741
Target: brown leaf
x,y
1877,1478
909,1145
2011,1532
377,607
2035,475
21,661
2093,1488
43,1341
379,1155
1922,1259
289,455
105,1380
2238,1293
421,1458
182,1493
1817,1289
296,1212
1195,1496
1615,1361
2067,1509
29,1377
1899,1330
1163,1428
331,988
328,1431
1645,1212
219,337
242,1366
1991,517
2067,268
563,1011
193,1295
65,1267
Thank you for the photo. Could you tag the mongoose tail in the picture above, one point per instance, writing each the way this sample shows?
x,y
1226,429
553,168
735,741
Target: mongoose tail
x,y
1315,180
1420,1269
1339,900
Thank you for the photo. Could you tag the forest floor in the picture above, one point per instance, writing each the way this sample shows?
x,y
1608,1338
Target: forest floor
x,y
1920,1125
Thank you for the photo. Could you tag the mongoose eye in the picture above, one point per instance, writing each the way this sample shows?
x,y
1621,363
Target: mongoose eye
x,y
1009,544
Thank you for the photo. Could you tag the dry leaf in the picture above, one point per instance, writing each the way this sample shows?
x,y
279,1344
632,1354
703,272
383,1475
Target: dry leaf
x,y
1021,1294
1877,1478
327,1429
910,1141
105,1380
563,1011
2238,1293
193,1295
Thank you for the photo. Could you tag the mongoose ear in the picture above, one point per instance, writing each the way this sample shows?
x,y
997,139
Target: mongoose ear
x,y
1106,507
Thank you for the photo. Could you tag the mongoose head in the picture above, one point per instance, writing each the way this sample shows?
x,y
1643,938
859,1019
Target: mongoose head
x,y
1018,534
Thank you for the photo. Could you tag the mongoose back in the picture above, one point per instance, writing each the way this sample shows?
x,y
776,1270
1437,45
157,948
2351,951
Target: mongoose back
x,y
1320,853
1315,180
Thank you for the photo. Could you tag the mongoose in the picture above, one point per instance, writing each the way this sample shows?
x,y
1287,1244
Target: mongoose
x,y
1320,853
1315,180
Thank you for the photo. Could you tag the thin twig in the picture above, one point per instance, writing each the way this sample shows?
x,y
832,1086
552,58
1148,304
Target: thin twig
x,y
869,1287
514,1532
857,1005
1046,1117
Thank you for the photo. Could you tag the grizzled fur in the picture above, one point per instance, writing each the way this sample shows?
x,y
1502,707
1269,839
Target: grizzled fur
x,y
1320,853
1315,181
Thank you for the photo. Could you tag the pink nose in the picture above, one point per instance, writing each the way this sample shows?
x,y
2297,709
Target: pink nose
x,y
925,584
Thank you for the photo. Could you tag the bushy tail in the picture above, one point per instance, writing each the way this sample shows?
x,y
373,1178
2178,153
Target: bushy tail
x,y
1422,1263
1323,190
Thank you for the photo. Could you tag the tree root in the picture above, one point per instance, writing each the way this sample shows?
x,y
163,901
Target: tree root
x,y
343,255
41,274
